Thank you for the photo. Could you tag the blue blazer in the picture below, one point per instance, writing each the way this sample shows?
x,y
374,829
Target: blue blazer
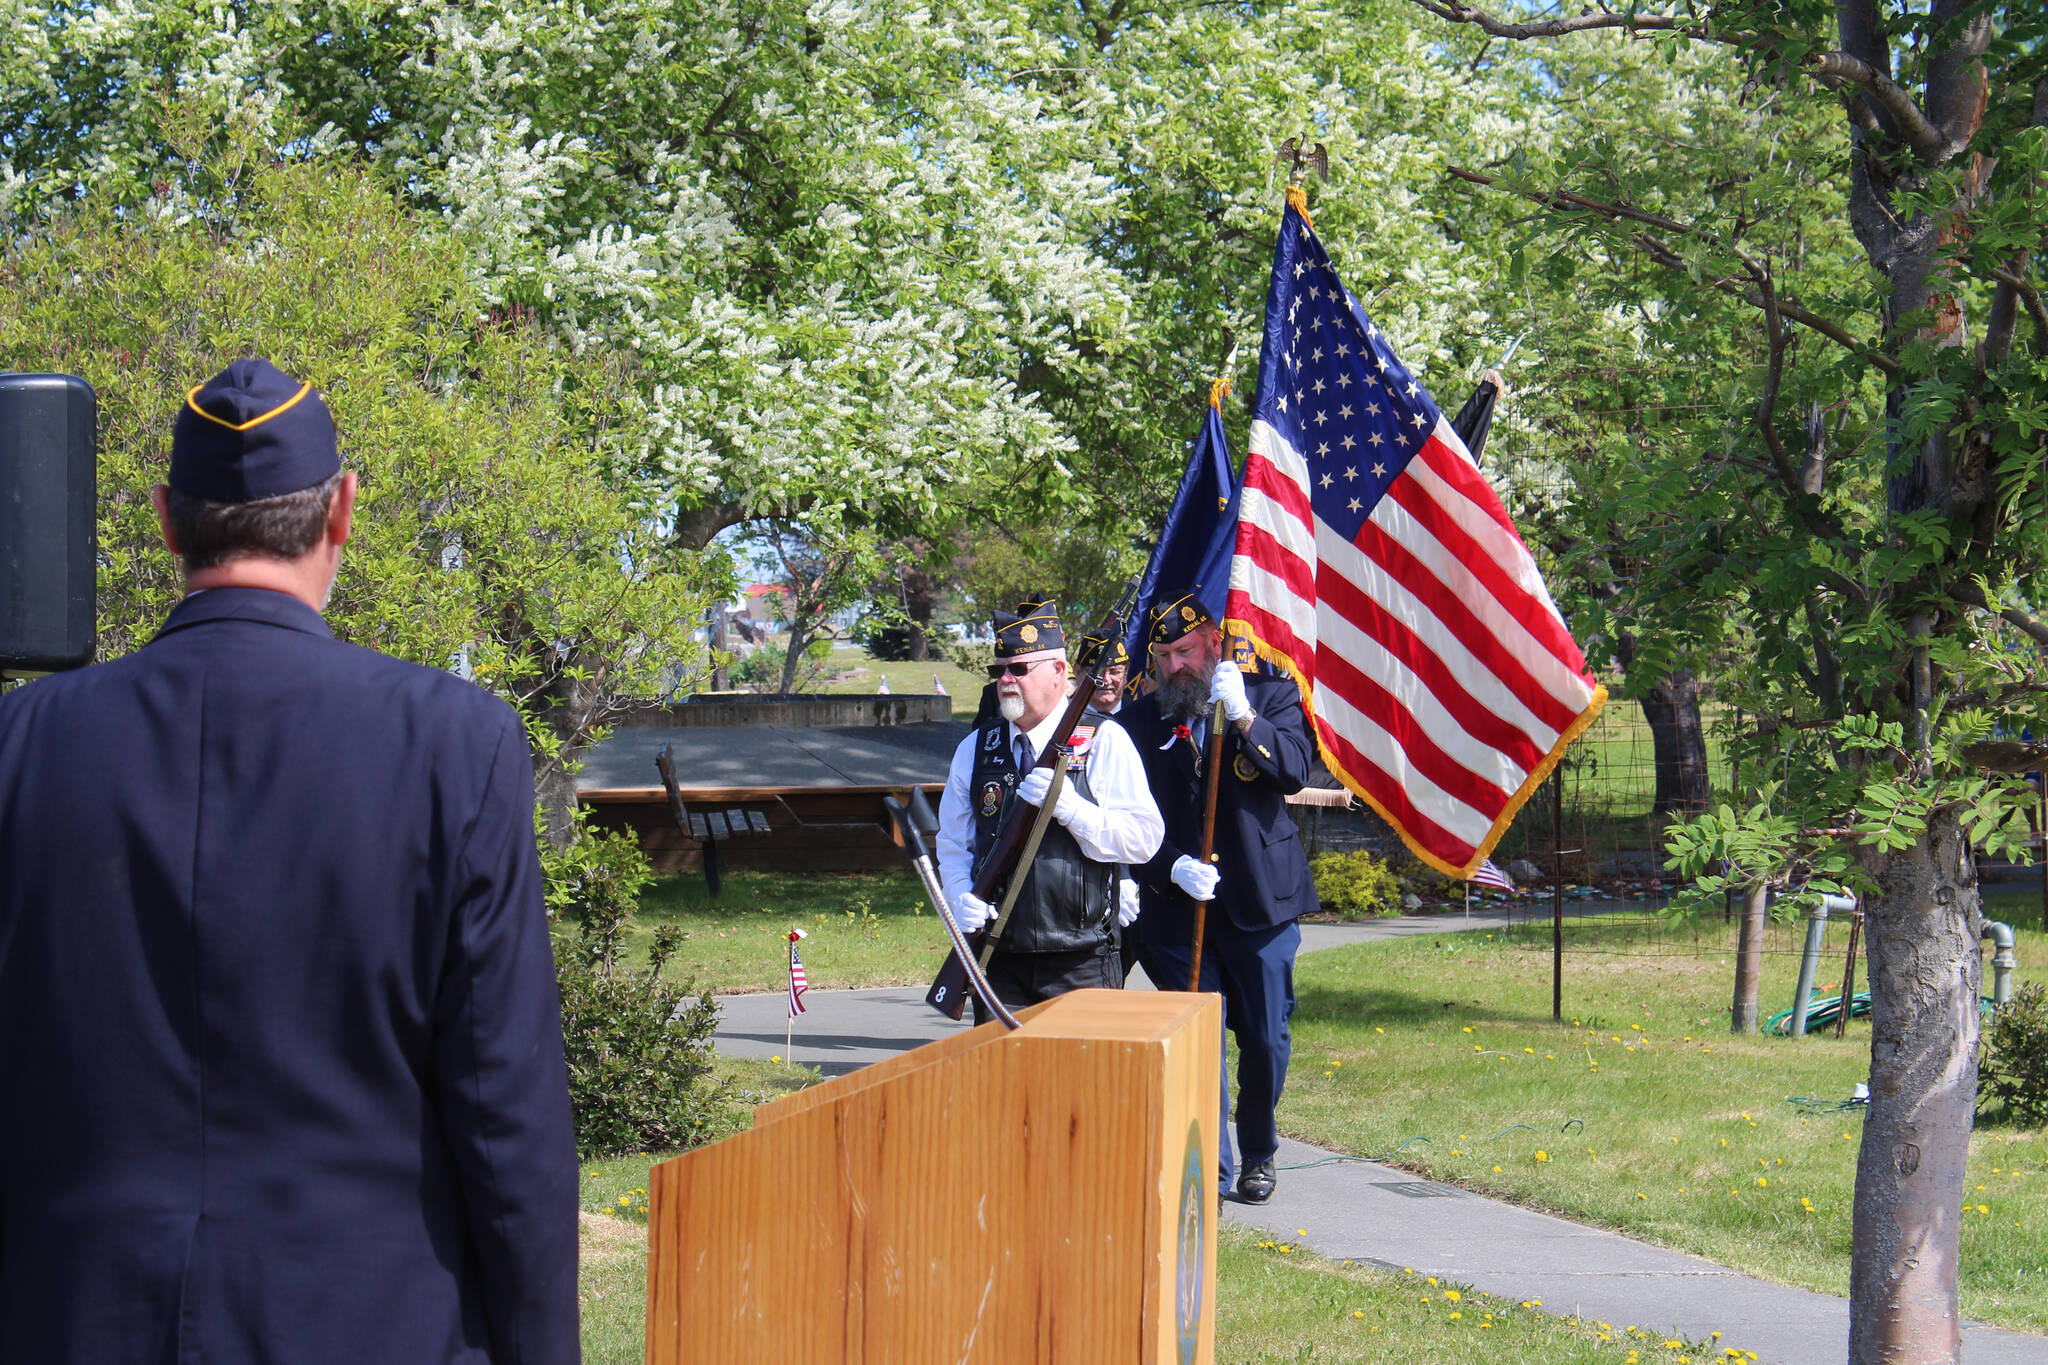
x,y
280,1052
1264,869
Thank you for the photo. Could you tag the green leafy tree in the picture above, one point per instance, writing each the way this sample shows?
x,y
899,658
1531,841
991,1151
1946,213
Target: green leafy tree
x,y
825,239
490,533
922,269
1865,521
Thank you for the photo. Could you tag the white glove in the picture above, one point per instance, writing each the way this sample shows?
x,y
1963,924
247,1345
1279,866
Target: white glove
x,y
1197,879
1126,903
1227,686
1039,781
972,912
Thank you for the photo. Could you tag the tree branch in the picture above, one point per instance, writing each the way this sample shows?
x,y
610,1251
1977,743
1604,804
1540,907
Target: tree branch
x,y
1830,68
1774,375
1558,28
2030,294
1909,124
1968,593
1663,253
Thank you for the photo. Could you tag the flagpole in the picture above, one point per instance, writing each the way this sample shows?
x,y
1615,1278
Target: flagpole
x,y
1208,840
789,1019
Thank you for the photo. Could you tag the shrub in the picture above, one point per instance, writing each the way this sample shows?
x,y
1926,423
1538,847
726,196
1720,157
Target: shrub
x,y
2015,1069
639,1048
1356,885
763,668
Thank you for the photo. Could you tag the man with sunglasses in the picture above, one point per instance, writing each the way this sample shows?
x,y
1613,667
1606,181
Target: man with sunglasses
x,y
1061,935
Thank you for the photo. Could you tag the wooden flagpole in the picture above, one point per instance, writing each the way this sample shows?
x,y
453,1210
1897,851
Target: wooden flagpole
x,y
1208,839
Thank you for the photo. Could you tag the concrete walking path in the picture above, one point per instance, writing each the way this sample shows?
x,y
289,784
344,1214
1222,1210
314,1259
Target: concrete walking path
x,y
846,1030
1362,1211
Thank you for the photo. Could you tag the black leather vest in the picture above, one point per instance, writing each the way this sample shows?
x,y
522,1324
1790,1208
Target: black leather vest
x,y
1069,899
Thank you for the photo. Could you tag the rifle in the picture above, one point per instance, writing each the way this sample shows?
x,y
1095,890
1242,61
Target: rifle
x,y
948,993
914,824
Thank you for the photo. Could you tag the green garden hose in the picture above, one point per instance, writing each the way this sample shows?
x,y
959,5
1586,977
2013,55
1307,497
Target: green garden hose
x,y
1822,1010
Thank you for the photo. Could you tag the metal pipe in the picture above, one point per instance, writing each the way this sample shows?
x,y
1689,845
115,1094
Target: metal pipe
x,y
2003,960
1809,961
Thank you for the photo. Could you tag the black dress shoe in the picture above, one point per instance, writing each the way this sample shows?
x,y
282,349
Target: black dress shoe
x,y
1255,1184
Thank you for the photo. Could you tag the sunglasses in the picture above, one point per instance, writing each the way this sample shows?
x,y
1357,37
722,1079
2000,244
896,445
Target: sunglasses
x,y
1014,670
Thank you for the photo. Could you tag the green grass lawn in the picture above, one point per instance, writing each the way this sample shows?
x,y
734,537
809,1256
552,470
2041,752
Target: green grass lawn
x,y
1676,1122
858,672
1275,1300
1640,1112
866,929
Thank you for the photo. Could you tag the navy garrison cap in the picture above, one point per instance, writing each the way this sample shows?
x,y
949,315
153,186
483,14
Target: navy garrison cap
x,y
1031,632
1093,644
1176,618
252,432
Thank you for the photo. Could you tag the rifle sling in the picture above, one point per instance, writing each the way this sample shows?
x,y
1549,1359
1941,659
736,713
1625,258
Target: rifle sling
x,y
1039,822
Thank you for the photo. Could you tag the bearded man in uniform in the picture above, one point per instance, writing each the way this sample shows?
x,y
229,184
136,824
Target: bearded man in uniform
x,y
1258,883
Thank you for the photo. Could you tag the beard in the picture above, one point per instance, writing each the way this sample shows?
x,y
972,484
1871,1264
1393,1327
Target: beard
x,y
1011,704
1182,696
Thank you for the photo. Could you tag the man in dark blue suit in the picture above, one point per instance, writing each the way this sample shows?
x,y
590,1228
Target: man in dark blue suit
x,y
280,1051
1259,883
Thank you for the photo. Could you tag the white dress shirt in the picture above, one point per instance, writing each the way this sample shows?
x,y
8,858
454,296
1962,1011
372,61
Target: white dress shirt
x,y
1121,825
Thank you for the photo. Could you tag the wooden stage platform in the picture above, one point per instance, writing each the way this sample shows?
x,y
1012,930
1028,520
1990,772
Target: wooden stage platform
x,y
818,790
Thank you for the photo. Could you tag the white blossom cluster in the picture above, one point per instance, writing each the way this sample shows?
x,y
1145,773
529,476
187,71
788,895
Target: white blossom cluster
x,y
851,246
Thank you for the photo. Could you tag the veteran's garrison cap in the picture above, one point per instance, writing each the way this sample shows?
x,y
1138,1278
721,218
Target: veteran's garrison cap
x,y
1093,645
1029,633
252,432
1174,619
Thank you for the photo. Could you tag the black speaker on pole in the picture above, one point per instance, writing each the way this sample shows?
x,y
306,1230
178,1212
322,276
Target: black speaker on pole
x,y
48,443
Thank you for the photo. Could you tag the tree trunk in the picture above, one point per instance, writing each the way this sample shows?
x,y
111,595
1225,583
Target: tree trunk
x,y
1749,960
554,792
1925,977
919,590
1678,742
568,708
799,640
721,647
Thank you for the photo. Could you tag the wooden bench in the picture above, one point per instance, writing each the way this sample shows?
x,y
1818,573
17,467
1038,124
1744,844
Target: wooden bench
x,y
708,827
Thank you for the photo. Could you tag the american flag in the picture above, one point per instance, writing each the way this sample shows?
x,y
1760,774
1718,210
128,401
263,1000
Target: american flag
x,y
1489,874
798,982
1376,566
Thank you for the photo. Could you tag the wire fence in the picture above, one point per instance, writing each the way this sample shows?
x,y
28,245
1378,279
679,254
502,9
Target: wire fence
x,y
1597,820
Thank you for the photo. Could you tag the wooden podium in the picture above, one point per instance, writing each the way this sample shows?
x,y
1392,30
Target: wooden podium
x,y
1046,1194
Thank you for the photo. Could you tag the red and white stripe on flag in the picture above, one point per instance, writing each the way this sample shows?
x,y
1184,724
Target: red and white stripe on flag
x,y
1489,874
798,982
1376,566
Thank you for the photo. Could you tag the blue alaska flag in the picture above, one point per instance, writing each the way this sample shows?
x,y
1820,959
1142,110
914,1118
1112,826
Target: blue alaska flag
x,y
1195,546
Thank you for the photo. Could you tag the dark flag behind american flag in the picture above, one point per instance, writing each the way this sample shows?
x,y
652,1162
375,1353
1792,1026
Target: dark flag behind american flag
x,y
1376,566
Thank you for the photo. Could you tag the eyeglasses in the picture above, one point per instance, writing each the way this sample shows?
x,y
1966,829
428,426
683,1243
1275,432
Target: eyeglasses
x,y
1014,670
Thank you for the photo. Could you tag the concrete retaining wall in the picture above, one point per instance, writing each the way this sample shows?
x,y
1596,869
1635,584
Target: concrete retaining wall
x,y
802,711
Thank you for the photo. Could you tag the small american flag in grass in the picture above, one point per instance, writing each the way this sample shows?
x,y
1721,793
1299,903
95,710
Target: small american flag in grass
x,y
798,982
1489,874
